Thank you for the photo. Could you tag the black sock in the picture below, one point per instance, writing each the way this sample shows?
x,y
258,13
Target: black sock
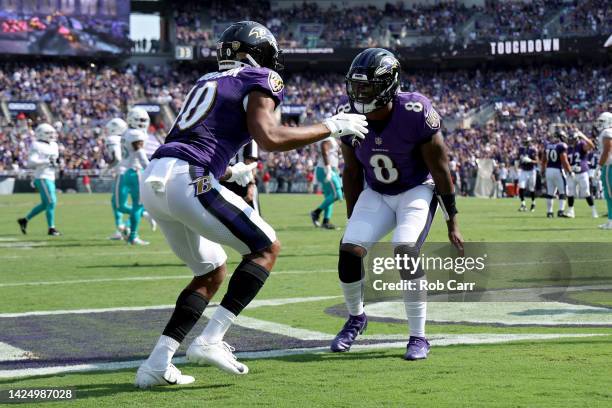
x,y
522,194
570,201
590,201
533,197
325,220
244,285
189,308
317,212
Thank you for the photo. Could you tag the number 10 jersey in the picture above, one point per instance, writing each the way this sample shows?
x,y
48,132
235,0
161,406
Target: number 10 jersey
x,y
211,126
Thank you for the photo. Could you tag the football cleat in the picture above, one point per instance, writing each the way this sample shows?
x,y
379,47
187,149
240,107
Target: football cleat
x,y
570,213
117,236
314,216
606,226
550,215
532,209
220,355
522,208
329,226
417,349
146,377
23,225
354,326
53,232
138,241
561,214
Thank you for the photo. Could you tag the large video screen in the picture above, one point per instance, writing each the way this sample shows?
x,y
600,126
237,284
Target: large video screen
x,y
64,27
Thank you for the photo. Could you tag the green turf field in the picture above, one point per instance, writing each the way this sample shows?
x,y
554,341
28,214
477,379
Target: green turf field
x,y
567,365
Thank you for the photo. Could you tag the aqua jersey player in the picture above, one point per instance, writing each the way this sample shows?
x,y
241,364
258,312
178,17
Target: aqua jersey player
x,y
603,127
115,129
44,159
134,162
393,180
181,189
329,179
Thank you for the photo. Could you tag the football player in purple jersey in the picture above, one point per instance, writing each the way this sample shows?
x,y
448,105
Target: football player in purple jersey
x,y
394,180
182,191
578,152
527,163
555,167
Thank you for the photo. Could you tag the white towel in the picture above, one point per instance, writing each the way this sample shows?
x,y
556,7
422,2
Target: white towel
x,y
160,173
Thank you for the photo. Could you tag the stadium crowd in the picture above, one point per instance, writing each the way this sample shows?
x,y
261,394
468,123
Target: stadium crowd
x,y
520,103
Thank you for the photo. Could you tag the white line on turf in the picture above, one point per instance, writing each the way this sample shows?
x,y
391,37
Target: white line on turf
x,y
438,340
254,304
10,353
138,278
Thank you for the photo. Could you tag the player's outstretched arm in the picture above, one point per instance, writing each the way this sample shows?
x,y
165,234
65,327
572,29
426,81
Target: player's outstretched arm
x,y
352,178
435,155
273,137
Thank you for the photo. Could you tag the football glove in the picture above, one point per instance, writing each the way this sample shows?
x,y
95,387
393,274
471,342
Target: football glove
x,y
242,174
344,124
328,173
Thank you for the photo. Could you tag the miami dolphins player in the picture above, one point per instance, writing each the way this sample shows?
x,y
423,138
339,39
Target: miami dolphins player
x,y
404,162
527,162
134,162
115,129
43,157
182,190
328,177
603,126
555,167
578,183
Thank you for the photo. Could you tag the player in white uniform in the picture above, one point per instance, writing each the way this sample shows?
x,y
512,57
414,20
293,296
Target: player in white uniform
x,y
135,161
115,128
44,156
328,177
603,125
578,180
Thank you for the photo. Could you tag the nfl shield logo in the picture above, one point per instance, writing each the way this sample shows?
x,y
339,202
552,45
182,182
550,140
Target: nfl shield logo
x,y
378,140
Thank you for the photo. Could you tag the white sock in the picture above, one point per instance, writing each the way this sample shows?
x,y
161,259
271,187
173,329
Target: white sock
x,y
162,353
561,205
217,326
146,215
523,203
353,297
549,205
415,304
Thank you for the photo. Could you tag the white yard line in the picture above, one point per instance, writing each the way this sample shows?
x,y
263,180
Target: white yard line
x,y
438,340
256,303
10,353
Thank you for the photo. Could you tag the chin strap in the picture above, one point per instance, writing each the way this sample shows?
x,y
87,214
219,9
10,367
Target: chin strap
x,y
448,205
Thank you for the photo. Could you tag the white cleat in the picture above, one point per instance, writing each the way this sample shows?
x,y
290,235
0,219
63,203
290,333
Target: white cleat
x,y
138,241
570,213
606,226
117,236
219,354
146,377
150,220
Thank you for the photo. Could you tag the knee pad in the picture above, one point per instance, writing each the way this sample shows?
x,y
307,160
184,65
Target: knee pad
x,y
350,267
411,252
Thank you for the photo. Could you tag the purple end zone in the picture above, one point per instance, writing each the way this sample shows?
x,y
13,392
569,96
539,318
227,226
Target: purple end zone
x,y
115,336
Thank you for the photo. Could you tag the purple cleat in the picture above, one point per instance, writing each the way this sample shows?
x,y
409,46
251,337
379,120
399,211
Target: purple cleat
x,y
354,326
418,348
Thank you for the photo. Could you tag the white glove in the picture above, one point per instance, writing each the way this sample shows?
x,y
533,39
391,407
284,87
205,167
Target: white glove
x,y
526,160
328,173
344,124
242,174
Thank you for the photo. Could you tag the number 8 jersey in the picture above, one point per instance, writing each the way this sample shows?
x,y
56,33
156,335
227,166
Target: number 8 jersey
x,y
211,126
390,153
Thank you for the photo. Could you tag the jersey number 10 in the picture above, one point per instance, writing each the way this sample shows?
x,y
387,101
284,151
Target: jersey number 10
x,y
197,105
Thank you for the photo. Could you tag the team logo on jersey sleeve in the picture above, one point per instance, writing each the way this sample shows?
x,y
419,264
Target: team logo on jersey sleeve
x,y
433,119
275,82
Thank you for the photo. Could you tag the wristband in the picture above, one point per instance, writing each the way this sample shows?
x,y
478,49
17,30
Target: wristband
x,y
448,205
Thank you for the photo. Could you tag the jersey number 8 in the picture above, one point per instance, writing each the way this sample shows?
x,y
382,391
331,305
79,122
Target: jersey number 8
x,y
384,170
199,102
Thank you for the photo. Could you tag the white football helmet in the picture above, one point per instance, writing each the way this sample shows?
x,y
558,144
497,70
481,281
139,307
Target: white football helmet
x,y
135,135
45,133
138,118
116,127
603,121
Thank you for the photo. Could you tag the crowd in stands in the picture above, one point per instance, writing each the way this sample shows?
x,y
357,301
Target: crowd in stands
x,y
311,25
520,102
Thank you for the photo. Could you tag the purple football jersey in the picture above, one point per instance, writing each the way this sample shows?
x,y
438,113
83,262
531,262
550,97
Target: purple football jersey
x,y
553,154
578,157
211,126
390,153
530,152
